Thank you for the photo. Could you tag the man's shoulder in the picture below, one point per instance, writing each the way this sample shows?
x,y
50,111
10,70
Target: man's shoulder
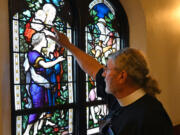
x,y
153,111
99,76
147,107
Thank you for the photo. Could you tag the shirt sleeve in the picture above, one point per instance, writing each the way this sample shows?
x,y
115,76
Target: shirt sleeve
x,y
110,100
34,57
100,83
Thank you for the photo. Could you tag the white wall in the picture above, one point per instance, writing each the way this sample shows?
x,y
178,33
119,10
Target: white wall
x,y
155,29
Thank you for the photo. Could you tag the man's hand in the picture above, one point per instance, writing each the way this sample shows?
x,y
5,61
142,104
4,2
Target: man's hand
x,y
85,61
61,39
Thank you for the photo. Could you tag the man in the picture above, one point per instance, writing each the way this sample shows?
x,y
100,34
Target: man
x,y
128,89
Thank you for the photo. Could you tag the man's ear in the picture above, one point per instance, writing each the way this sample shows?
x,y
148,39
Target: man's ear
x,y
122,76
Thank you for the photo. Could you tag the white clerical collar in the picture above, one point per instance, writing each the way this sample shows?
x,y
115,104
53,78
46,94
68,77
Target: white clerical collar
x,y
132,97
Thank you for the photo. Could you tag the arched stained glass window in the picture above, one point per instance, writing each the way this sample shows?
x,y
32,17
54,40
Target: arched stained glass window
x,y
102,39
50,94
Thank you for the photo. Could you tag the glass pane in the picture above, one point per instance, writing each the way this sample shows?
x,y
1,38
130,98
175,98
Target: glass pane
x,y
94,114
42,69
38,97
45,123
101,37
101,40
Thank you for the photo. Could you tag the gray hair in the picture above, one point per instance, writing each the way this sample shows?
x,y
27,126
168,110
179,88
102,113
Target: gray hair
x,y
133,62
37,38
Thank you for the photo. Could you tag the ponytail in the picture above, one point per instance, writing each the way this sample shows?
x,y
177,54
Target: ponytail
x,y
151,86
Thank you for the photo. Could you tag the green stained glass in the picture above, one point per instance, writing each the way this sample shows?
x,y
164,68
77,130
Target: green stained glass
x,y
55,124
109,25
96,18
111,29
93,12
40,1
31,5
24,47
37,5
107,19
111,16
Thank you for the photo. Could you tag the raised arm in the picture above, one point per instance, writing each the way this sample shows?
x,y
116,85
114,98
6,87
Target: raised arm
x,y
86,62
50,63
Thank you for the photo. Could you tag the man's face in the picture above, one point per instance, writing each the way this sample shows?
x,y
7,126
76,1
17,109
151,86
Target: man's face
x,y
111,77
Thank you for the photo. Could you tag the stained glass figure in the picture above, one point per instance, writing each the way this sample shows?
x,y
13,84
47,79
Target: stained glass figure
x,y
101,41
42,69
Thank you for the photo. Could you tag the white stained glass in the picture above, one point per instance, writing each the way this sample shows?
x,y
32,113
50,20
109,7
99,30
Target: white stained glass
x,y
16,68
15,34
69,35
50,12
17,93
15,16
70,120
70,88
69,62
86,43
94,113
86,40
118,42
92,131
16,49
87,116
87,91
18,125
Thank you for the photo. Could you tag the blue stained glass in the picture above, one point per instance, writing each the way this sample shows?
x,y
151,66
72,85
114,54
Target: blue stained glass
x,y
48,1
21,31
55,2
102,10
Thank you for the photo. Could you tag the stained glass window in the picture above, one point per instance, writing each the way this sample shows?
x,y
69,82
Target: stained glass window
x,y
42,70
50,94
102,39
